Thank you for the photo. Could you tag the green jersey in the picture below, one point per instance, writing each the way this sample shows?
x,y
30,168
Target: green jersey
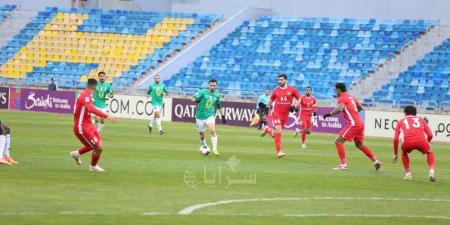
x,y
156,92
207,104
100,94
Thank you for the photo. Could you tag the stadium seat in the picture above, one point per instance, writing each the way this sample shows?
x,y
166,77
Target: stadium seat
x,y
426,81
313,52
71,45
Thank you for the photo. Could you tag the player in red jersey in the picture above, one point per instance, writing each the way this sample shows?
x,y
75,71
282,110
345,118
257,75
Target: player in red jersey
x,y
416,136
282,97
308,105
354,128
85,130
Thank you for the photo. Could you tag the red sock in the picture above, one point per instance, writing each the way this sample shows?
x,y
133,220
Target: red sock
x,y
405,160
341,152
95,158
84,149
268,131
430,160
368,152
303,137
278,142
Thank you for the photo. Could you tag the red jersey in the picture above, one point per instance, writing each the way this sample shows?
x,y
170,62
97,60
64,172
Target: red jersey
x,y
283,98
83,109
308,105
415,130
351,113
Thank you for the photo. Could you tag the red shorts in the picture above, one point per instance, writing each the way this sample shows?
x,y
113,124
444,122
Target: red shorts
x,y
306,121
89,136
280,118
353,133
422,146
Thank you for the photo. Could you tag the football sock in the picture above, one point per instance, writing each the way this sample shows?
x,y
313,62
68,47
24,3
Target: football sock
x,y
158,123
84,149
7,146
214,142
341,152
202,142
405,161
430,160
368,152
100,126
2,145
268,131
95,158
278,142
303,137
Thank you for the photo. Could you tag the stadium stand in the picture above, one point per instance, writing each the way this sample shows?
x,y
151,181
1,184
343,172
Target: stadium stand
x,y
426,83
313,52
71,45
5,11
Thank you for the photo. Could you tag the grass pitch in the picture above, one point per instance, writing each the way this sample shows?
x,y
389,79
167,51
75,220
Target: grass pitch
x,y
150,179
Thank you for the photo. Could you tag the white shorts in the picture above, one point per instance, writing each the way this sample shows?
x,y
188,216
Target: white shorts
x,y
104,110
201,124
156,108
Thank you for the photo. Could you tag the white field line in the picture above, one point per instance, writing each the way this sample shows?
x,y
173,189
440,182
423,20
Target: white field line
x,y
190,209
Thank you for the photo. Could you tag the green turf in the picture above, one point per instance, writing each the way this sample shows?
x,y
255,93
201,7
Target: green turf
x,y
160,175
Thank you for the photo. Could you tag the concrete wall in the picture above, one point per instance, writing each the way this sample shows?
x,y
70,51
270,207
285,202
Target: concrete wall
x,y
390,9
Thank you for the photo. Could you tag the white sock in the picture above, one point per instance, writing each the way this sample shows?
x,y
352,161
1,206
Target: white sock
x,y
150,124
2,145
7,145
214,142
100,126
158,123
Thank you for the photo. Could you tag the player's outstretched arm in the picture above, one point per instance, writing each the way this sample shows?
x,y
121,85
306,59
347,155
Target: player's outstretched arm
x,y
335,111
90,107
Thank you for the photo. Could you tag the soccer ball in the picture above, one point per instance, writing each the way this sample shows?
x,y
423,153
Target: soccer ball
x,y
204,150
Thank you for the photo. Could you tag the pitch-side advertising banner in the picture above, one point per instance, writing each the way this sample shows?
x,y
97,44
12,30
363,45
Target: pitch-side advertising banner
x,y
47,101
236,113
382,124
4,98
137,107
330,125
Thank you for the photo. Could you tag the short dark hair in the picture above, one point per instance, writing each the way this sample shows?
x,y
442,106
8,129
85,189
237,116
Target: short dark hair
x,y
284,76
91,82
101,72
309,88
212,81
341,86
410,110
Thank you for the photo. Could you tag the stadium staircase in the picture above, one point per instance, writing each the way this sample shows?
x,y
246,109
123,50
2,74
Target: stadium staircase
x,y
13,24
365,87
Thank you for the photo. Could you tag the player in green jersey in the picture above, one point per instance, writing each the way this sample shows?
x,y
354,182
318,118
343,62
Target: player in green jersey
x,y
205,115
103,92
157,91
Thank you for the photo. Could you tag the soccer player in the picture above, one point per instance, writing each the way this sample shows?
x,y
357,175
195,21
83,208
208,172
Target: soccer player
x,y
157,91
103,91
354,128
5,144
85,130
208,100
282,96
417,135
308,105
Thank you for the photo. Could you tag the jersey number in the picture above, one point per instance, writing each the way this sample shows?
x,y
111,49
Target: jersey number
x,y
283,98
416,123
